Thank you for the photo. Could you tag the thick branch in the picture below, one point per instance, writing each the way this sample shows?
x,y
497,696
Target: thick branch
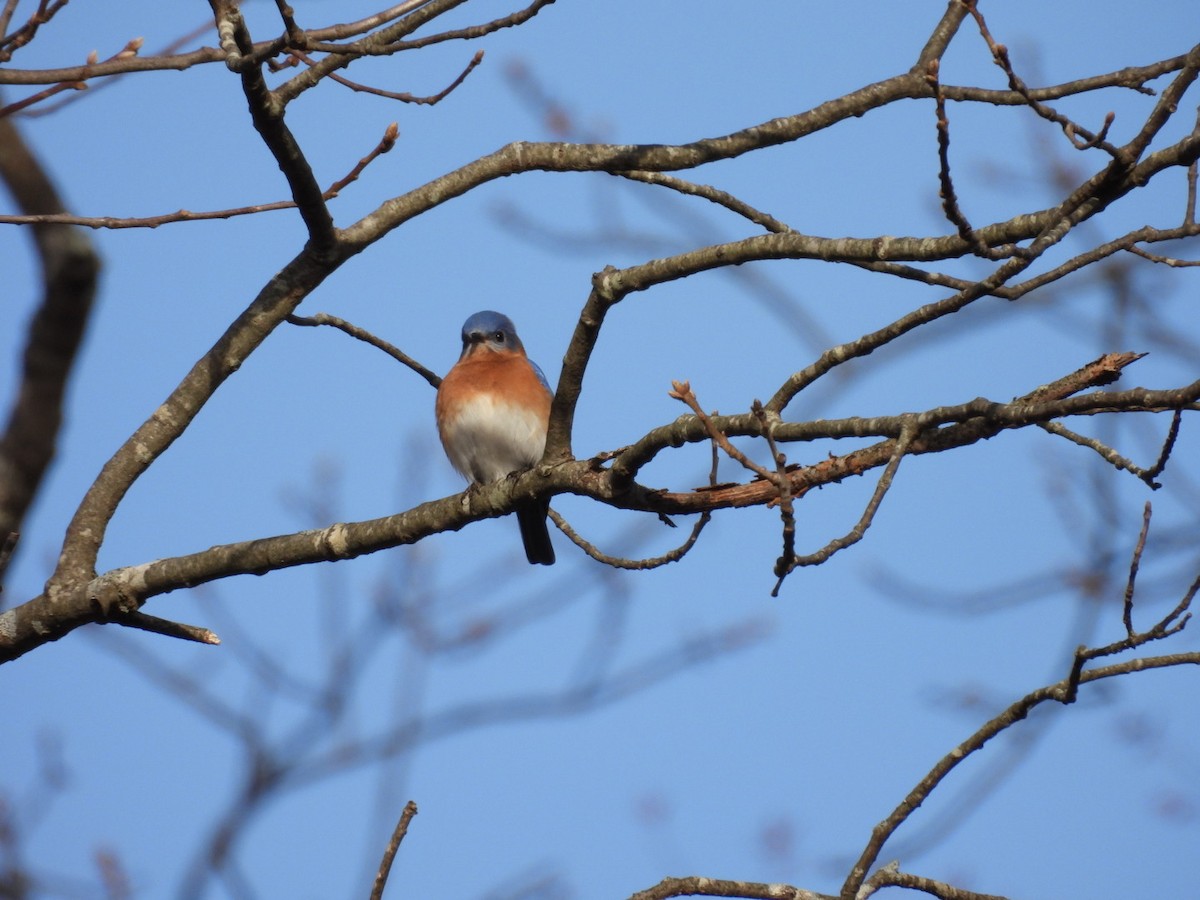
x,y
940,39
86,531
69,271
266,111
330,248
76,599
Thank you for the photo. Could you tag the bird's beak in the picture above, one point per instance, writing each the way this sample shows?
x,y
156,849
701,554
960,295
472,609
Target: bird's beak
x,y
472,342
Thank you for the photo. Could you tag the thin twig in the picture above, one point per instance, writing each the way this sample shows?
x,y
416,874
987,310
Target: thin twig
x,y
787,558
1117,460
45,94
891,876
946,184
619,562
185,215
1110,456
381,45
6,14
1094,255
361,334
781,479
1080,137
130,49
682,391
11,43
386,143
402,96
115,222
653,562
154,624
385,42
1172,261
1127,612
712,194
362,26
856,534
183,40
1168,445
389,855
1172,623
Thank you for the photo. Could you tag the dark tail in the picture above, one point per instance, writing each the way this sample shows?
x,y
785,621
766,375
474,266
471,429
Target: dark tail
x,y
535,534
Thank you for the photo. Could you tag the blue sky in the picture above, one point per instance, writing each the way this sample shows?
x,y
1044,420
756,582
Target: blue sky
x,y
841,696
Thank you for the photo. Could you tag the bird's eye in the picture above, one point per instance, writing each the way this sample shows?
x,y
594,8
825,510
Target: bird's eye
x,y
498,337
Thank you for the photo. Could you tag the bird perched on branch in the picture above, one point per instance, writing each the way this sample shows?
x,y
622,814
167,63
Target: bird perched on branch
x,y
492,410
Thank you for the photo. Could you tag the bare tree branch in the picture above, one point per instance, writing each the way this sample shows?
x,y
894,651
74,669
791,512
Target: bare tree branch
x,y
698,886
1070,129
1020,255
1009,717
402,96
1063,691
638,565
389,855
432,378
891,876
315,263
123,591
10,43
266,111
386,143
70,268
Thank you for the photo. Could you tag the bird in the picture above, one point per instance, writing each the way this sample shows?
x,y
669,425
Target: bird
x,y
492,409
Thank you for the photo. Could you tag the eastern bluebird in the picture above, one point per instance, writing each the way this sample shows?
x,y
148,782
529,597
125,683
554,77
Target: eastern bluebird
x,y
492,410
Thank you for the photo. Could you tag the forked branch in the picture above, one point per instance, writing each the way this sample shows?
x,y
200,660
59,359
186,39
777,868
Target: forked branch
x,y
1063,691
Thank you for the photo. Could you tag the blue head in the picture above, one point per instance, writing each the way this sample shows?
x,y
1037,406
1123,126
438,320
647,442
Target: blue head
x,y
492,330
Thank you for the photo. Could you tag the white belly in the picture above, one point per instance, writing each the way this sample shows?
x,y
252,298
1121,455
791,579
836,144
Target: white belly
x,y
490,438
